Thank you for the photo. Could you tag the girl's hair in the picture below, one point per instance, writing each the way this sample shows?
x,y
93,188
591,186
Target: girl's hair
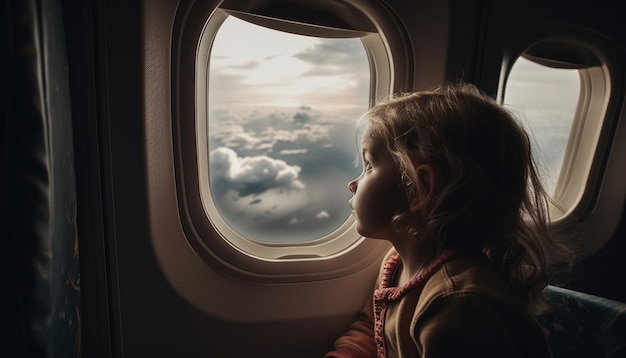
x,y
487,193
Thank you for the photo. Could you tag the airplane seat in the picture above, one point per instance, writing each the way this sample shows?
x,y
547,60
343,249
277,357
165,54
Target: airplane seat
x,y
583,325
39,262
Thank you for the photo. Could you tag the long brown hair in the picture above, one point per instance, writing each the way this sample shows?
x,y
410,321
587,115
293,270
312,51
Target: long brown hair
x,y
488,192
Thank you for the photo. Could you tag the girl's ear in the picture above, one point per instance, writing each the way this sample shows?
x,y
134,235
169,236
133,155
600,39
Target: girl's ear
x,y
425,188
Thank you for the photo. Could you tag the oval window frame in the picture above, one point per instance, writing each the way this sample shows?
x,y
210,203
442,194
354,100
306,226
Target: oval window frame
x,y
342,252
595,126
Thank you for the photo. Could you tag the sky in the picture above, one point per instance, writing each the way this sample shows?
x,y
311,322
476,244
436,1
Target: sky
x,y
544,99
282,110
251,65
282,141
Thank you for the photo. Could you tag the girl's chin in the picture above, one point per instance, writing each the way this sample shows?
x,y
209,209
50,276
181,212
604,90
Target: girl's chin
x,y
366,234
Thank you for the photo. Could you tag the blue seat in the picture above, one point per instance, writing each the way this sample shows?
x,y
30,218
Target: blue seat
x,y
583,325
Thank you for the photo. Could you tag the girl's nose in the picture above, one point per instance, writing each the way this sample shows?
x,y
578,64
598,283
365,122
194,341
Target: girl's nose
x,y
352,186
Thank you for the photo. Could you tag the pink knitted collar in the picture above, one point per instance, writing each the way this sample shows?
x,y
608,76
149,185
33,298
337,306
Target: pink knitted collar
x,y
386,294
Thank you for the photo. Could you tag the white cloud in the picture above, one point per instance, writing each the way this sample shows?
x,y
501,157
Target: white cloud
x,y
322,215
261,202
256,65
256,131
293,151
310,133
248,175
241,140
295,221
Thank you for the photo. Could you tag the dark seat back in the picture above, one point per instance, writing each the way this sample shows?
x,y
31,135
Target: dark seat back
x,y
583,325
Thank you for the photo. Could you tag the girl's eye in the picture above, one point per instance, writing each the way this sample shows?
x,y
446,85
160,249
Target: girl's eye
x,y
367,166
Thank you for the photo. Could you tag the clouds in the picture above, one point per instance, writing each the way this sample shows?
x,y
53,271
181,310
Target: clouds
x,y
322,215
301,117
269,131
545,100
280,127
530,85
252,64
251,175
280,174
335,56
293,151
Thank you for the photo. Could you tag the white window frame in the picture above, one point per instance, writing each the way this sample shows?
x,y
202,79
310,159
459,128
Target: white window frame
x,y
342,252
579,194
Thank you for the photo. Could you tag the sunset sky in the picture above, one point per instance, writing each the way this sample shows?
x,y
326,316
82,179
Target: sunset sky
x,y
252,65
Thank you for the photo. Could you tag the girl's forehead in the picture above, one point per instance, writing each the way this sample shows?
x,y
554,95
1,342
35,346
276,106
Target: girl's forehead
x,y
373,143
368,137
369,134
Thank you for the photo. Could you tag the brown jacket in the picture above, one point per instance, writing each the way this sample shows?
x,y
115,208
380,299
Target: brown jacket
x,y
465,309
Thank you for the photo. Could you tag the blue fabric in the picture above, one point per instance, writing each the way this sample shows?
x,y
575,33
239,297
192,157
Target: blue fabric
x,y
65,322
25,251
39,260
583,325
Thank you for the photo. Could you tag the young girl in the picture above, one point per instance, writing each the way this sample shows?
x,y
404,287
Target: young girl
x,y
449,181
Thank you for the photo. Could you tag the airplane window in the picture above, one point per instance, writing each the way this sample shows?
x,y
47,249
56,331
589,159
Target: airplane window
x,y
560,91
545,98
281,137
264,112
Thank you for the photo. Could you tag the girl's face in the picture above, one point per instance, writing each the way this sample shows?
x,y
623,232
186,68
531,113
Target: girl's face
x,y
377,194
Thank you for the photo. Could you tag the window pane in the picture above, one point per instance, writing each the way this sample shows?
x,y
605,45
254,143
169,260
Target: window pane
x,y
282,109
545,99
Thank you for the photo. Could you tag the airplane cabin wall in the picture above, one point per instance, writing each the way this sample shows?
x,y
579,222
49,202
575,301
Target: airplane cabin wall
x,y
511,27
130,307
